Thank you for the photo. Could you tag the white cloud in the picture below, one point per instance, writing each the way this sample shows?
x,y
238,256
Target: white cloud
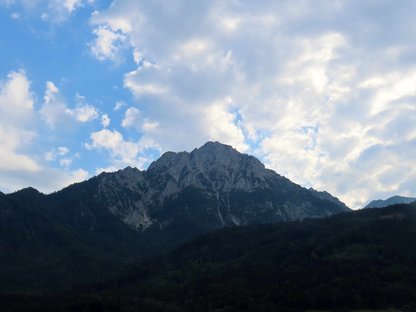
x,y
65,162
105,120
15,96
122,152
49,156
77,176
11,161
119,105
7,2
59,11
55,11
108,44
71,5
19,166
55,111
132,118
63,150
107,139
222,124
149,126
315,86
16,123
85,113
56,153
15,16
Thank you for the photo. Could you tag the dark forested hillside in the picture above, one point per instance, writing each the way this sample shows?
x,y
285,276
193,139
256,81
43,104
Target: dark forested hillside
x,y
356,260
43,248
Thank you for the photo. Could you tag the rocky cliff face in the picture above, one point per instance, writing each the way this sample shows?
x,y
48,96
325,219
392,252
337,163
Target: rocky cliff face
x,y
214,185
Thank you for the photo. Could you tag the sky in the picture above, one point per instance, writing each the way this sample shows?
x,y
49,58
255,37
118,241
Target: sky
x,y
322,92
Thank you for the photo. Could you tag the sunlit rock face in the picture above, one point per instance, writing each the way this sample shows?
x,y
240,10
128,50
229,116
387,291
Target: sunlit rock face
x,y
211,187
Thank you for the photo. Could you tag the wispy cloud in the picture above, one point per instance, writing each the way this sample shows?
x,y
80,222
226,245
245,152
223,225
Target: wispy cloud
x,y
54,11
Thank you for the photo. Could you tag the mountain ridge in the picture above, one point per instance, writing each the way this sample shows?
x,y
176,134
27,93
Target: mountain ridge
x,y
114,219
394,200
219,172
356,261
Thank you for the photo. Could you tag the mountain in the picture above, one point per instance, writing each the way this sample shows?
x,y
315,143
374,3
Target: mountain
x,y
95,229
356,261
395,200
214,183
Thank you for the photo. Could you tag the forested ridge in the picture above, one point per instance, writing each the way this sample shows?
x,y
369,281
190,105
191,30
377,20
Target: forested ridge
x,y
356,260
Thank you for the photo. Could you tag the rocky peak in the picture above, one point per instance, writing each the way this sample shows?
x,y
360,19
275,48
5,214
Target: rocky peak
x,y
214,166
130,172
210,154
217,154
169,161
215,150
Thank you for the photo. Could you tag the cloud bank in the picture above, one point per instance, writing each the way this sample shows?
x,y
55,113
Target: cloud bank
x,y
323,92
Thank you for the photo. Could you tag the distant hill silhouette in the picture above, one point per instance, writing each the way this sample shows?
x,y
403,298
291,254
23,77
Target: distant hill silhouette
x,y
394,200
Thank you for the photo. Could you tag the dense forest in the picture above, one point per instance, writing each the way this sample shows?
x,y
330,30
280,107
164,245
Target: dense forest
x,y
356,260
